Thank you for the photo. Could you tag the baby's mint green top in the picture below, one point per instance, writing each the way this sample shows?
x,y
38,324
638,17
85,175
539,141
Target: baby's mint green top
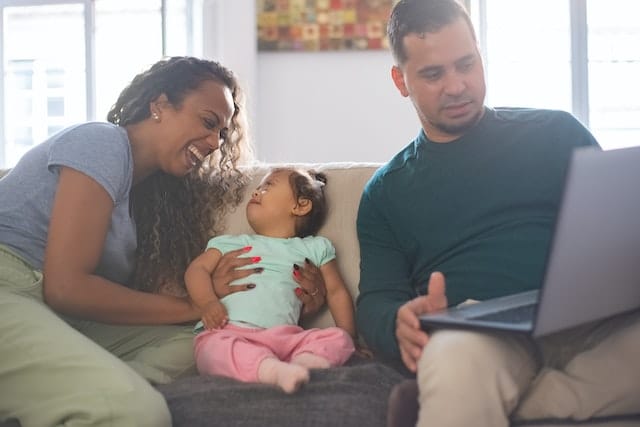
x,y
273,301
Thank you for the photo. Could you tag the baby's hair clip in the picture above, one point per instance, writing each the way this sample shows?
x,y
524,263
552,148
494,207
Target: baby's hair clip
x,y
319,179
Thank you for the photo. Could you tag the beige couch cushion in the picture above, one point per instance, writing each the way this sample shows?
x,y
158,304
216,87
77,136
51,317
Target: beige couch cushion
x,y
345,182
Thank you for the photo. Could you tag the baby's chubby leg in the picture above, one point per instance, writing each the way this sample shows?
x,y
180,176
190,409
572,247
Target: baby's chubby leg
x,y
245,354
321,348
311,361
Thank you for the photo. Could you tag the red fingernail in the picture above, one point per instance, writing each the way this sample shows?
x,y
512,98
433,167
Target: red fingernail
x,y
296,267
298,291
256,259
246,249
296,273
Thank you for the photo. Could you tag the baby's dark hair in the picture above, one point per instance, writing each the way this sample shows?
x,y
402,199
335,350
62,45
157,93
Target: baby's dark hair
x,y
308,184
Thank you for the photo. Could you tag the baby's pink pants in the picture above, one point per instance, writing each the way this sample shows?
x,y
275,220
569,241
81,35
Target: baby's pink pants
x,y
236,351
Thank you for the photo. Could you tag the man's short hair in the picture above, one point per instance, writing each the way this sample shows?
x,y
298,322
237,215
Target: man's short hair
x,y
421,16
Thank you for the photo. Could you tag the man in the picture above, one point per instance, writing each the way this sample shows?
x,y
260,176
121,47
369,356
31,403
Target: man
x,y
471,202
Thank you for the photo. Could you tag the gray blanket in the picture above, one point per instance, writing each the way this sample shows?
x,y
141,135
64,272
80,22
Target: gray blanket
x,y
352,395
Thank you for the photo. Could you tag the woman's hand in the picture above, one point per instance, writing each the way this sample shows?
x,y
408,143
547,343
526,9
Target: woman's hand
x,y
227,271
312,291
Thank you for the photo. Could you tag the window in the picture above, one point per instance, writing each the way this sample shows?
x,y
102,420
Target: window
x,y
65,61
614,67
55,106
576,55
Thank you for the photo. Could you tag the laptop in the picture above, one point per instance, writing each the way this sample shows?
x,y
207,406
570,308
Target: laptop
x,y
593,266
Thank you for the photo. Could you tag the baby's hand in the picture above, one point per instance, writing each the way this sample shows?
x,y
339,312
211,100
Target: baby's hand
x,y
363,352
214,315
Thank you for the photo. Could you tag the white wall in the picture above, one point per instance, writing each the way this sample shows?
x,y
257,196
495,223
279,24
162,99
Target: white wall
x,y
310,107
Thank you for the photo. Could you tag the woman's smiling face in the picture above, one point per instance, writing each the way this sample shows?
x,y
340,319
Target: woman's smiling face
x,y
193,130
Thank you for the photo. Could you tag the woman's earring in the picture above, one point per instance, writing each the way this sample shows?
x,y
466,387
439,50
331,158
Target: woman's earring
x,y
156,117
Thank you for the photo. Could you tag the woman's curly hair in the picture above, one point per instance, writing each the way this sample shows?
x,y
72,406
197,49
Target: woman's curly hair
x,y
175,216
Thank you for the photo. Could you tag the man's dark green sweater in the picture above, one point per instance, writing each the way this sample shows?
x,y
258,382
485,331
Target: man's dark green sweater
x,y
480,209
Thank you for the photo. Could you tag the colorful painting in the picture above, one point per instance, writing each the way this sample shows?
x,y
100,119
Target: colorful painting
x,y
320,25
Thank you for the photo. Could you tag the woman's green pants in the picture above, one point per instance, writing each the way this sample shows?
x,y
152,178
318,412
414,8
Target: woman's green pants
x,y
61,371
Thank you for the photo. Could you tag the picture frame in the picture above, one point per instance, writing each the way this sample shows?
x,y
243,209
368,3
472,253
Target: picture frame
x,y
322,25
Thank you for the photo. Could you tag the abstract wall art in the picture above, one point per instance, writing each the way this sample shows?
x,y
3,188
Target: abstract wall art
x,y
322,25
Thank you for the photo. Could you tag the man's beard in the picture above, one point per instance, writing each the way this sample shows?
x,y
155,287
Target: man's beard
x,y
459,128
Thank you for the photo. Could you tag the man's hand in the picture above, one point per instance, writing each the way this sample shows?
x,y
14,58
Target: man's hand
x,y
411,338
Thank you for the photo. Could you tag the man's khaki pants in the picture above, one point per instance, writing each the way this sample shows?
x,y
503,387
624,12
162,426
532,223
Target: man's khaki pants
x,y
481,379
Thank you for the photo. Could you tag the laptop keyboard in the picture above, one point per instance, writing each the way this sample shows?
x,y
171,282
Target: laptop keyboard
x,y
512,315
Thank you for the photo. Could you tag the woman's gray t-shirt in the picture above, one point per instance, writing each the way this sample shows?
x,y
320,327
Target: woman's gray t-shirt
x,y
100,151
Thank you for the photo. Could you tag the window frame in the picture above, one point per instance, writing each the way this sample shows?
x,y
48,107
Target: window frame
x,y
579,52
89,37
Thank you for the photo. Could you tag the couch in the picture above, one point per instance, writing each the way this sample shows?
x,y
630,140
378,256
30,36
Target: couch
x,y
364,392
356,394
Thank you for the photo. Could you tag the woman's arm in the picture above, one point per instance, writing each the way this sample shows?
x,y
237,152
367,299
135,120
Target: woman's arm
x,y
80,218
338,298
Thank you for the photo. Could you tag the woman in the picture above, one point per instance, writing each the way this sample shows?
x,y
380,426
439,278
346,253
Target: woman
x,y
97,225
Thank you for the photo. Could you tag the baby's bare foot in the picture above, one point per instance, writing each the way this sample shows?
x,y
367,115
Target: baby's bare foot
x,y
291,377
288,376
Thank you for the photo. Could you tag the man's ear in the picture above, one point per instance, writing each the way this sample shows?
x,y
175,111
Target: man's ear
x,y
302,207
398,79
